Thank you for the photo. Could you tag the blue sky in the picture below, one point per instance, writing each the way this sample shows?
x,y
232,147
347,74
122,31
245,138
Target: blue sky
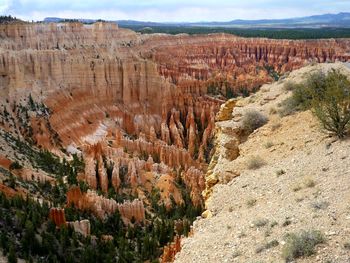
x,y
170,10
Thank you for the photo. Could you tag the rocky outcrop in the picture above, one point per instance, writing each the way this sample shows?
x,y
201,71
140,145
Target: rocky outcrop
x,y
171,250
169,193
195,181
225,112
99,205
130,211
57,215
32,175
5,162
83,227
226,145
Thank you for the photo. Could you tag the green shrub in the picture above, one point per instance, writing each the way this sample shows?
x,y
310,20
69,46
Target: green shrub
x,y
302,93
268,245
300,100
12,257
260,222
251,202
268,145
255,162
320,205
15,166
301,244
253,120
280,172
289,85
289,106
332,104
329,98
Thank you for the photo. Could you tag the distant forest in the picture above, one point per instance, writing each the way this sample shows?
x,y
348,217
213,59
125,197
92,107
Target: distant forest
x,y
273,33
8,19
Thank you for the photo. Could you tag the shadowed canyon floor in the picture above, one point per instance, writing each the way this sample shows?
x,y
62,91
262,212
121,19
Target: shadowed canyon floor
x,y
101,120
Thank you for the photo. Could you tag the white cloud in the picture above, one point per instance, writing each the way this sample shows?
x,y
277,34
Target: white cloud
x,y
169,10
4,5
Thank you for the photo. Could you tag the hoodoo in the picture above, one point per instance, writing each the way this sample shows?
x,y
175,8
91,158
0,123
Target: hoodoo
x,y
114,130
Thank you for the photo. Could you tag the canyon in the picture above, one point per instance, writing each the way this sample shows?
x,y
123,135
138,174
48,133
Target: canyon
x,y
138,109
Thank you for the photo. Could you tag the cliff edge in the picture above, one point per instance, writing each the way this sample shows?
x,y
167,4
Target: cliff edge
x,y
300,184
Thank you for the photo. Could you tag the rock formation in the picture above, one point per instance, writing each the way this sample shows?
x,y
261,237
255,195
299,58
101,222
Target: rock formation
x,y
171,250
130,211
45,61
57,216
83,227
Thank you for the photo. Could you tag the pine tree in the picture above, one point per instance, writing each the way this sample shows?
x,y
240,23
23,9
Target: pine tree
x,y
12,257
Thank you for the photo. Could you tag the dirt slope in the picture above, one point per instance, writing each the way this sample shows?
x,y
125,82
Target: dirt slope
x,y
250,208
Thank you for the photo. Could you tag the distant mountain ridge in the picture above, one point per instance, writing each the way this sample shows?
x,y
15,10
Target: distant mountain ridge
x,y
340,20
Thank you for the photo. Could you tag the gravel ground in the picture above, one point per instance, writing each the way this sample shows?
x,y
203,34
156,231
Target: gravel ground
x,y
304,185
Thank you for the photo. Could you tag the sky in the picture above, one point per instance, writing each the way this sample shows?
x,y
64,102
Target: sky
x,y
170,10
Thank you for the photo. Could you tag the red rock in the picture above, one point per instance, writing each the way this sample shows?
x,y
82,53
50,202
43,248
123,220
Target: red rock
x,y
195,181
102,206
57,216
115,177
170,250
132,211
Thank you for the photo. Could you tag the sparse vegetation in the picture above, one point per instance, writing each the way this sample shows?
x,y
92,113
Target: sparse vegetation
x,y
286,222
347,245
268,245
280,172
251,202
331,103
273,224
260,222
320,205
236,254
309,182
275,126
268,144
288,107
297,187
301,244
272,110
15,166
327,95
253,120
289,85
255,162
